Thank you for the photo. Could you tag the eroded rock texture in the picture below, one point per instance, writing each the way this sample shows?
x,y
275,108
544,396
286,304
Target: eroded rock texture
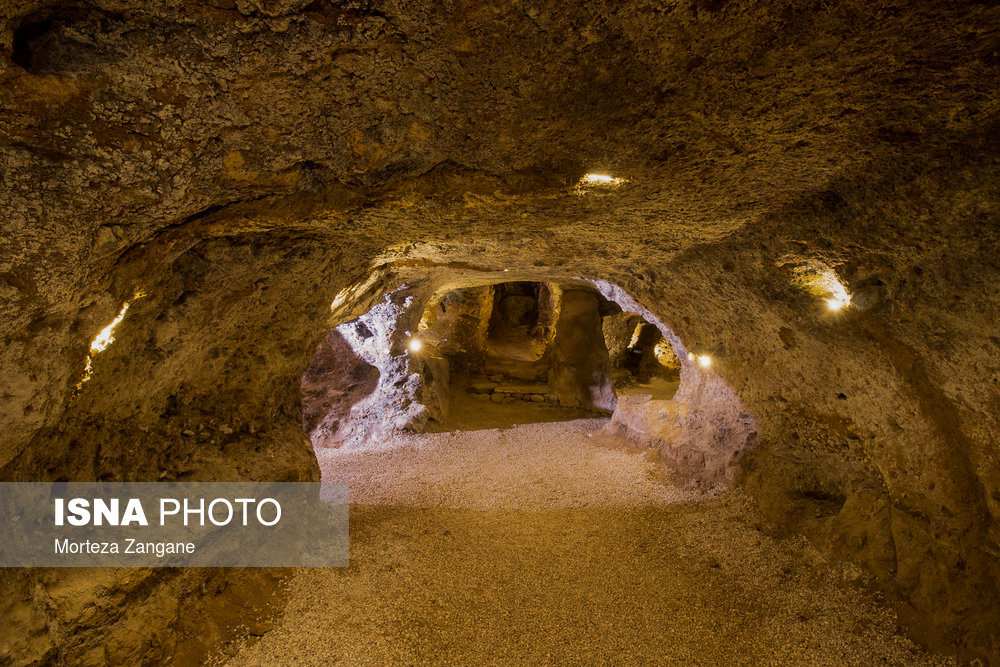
x,y
336,380
241,163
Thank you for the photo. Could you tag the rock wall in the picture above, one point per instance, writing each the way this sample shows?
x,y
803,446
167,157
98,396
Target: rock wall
x,y
618,332
175,397
244,163
335,381
381,338
455,325
581,368
704,430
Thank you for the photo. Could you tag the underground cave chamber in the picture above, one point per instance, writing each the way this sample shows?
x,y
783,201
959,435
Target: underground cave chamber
x,y
801,199
497,354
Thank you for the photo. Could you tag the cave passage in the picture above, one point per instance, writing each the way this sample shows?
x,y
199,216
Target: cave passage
x,y
547,455
500,354
628,323
466,353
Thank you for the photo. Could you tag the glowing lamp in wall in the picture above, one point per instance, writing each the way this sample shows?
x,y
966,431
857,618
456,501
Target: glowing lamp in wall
x,y
107,334
839,302
818,279
103,339
415,345
703,359
838,296
590,180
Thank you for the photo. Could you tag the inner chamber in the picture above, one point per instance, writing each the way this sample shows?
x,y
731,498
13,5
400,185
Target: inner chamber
x,y
495,355
550,352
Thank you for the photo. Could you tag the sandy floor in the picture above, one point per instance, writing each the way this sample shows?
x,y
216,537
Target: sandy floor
x,y
541,545
536,466
659,388
472,413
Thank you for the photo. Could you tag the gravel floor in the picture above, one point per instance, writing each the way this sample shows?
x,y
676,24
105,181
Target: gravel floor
x,y
530,466
541,545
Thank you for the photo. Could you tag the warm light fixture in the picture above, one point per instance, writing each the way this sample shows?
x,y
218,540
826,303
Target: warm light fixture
x,y
106,336
600,179
415,345
703,359
839,302
818,279
104,339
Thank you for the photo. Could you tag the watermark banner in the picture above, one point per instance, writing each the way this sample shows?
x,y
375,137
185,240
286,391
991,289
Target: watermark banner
x,y
173,524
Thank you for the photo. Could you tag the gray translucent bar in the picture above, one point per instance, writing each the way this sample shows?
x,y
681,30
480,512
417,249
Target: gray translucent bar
x,y
142,524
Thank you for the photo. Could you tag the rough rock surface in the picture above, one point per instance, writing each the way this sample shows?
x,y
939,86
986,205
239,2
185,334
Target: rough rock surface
x,y
581,369
243,162
380,338
336,380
